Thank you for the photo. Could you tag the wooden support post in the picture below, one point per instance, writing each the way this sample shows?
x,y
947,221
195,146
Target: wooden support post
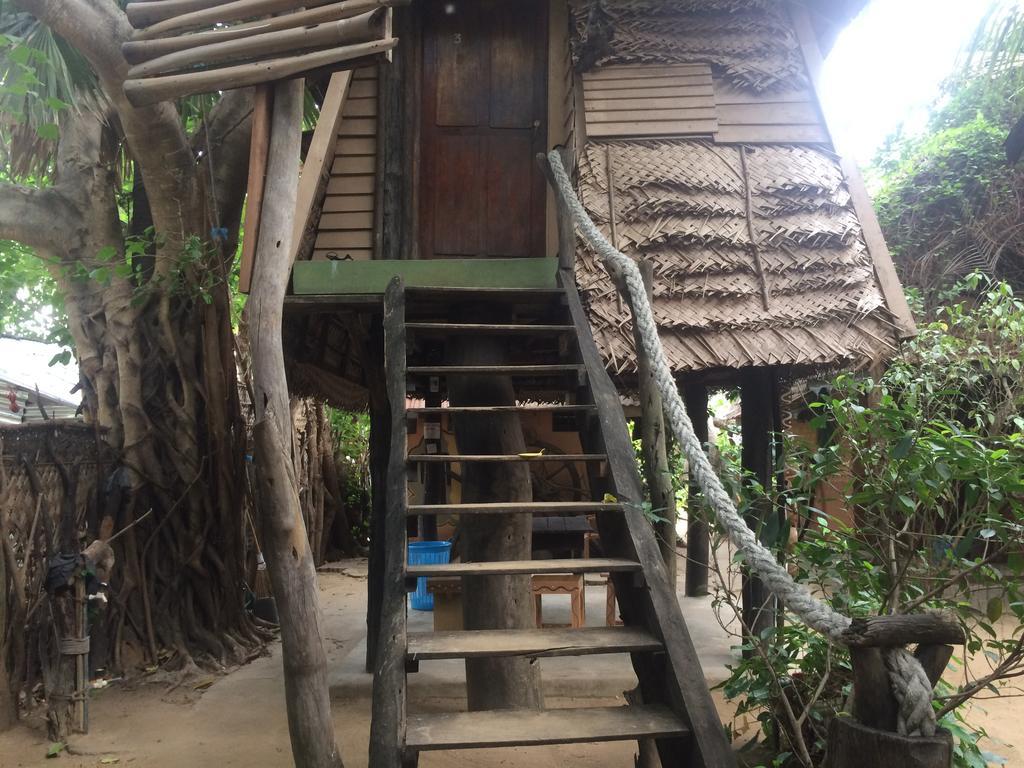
x,y
494,602
388,724
757,424
698,544
258,144
653,441
380,442
286,545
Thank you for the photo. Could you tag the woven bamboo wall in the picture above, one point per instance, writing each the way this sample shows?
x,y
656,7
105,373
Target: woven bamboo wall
x,y
729,70
40,465
681,204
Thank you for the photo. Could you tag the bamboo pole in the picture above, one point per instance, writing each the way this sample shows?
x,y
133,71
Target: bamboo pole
x,y
139,51
221,14
143,92
258,145
364,28
144,12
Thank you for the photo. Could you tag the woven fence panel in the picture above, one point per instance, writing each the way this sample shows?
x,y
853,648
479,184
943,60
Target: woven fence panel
x,y
749,41
682,205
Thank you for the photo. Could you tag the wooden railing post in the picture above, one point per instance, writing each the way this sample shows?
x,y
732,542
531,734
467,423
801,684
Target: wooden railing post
x,y
870,737
566,230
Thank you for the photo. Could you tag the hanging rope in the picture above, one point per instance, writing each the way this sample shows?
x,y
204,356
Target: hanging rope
x,y
910,684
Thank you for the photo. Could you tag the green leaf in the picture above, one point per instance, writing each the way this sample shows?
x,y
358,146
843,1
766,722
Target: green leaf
x,y
48,131
55,748
994,609
902,449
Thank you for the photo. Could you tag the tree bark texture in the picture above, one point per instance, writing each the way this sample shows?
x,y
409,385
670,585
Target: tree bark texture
x,y
287,547
155,347
494,602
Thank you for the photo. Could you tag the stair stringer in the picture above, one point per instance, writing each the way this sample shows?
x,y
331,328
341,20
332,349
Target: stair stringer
x,y
678,680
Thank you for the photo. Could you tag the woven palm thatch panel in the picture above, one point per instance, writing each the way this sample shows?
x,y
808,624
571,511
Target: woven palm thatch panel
x,y
749,41
682,205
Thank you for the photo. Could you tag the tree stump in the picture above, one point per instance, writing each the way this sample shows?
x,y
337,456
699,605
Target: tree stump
x,y
853,745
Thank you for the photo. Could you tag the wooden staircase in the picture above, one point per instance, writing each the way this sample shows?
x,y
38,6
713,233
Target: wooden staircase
x,y
676,710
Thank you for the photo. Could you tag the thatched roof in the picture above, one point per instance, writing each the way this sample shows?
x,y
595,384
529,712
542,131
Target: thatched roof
x,y
681,204
750,41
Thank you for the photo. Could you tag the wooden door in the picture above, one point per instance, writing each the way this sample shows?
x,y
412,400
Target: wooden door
x,y
483,121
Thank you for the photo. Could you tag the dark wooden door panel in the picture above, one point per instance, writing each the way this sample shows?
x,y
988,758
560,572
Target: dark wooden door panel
x,y
459,51
483,120
514,65
458,204
509,208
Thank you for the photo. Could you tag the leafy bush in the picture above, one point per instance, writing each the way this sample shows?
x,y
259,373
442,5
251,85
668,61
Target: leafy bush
x,y
352,440
931,460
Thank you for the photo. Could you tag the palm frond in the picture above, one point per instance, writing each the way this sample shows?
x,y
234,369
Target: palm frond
x,y
41,77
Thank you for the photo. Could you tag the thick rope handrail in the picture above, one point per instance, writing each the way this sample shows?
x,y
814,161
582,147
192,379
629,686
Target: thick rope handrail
x,y
909,681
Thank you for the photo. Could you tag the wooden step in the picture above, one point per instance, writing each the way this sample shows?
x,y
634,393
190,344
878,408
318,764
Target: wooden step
x,y
496,370
490,643
488,328
428,458
554,408
507,728
514,507
523,567
519,295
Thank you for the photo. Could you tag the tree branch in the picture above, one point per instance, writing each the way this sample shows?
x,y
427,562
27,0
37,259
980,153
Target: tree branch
x,y
155,134
38,218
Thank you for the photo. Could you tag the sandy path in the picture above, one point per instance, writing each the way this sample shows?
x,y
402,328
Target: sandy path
x,y
239,721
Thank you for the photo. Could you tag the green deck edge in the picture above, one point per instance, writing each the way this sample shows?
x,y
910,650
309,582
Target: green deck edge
x,y
319,278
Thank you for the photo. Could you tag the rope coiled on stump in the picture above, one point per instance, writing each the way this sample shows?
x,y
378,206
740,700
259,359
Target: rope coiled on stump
x,y
910,683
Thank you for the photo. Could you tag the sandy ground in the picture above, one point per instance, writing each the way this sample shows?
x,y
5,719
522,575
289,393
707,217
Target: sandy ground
x,y
239,719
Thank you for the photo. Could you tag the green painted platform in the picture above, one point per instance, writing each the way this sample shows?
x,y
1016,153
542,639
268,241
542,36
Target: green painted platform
x,y
325,278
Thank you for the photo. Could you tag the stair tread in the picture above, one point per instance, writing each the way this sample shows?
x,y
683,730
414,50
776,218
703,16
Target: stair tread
x,y
491,327
498,457
554,408
536,294
518,567
442,370
503,728
490,643
568,507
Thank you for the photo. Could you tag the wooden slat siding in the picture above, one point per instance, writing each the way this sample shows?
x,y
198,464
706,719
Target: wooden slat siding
x,y
768,134
347,219
316,166
885,270
637,100
789,117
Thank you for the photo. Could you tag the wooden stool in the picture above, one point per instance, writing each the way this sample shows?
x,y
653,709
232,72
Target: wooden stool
x,y
610,617
561,584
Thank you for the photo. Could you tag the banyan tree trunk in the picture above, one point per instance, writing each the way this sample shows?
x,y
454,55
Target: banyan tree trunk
x,y
494,602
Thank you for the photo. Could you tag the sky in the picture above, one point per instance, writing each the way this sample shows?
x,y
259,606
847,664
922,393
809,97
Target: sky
x,y
888,64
